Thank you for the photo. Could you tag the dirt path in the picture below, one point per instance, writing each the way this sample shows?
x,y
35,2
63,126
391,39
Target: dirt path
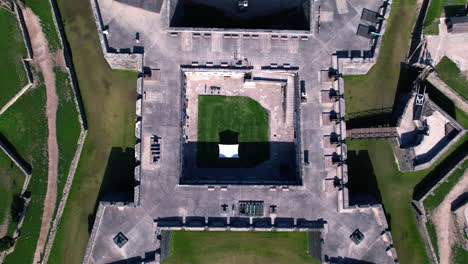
x,y
43,59
444,222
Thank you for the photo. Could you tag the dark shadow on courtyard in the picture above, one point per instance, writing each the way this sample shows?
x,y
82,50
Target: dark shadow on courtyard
x,y
258,163
251,154
261,14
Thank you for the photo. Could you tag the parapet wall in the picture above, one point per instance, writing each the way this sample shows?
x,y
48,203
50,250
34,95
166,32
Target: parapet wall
x,y
122,61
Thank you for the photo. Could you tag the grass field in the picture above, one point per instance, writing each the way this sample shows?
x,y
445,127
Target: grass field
x,y
44,11
460,255
11,183
435,11
239,247
431,230
109,101
397,189
231,120
68,127
24,126
451,75
239,114
12,74
376,90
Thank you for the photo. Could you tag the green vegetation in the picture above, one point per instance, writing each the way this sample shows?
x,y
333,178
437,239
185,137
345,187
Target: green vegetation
x,y
11,183
433,236
451,75
109,100
239,247
239,114
24,126
435,11
231,120
397,190
376,90
432,28
432,201
461,117
44,11
12,72
68,127
6,243
459,255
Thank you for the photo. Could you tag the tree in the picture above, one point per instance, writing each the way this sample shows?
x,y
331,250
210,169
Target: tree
x,y
6,243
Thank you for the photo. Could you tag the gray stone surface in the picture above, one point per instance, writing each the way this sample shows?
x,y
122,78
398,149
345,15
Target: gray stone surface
x,y
160,194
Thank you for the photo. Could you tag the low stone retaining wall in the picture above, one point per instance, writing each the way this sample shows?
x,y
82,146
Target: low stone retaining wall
x,y
63,201
83,133
421,214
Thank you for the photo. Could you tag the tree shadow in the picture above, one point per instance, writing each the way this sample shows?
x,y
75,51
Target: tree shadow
x,y
17,207
118,182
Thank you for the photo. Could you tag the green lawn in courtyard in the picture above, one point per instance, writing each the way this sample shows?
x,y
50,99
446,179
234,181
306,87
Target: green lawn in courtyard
x,y
109,101
451,75
231,120
396,189
11,183
12,74
235,113
239,248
